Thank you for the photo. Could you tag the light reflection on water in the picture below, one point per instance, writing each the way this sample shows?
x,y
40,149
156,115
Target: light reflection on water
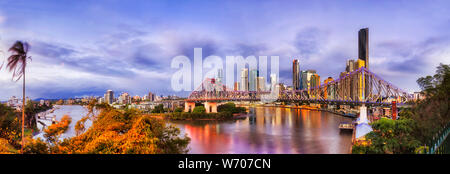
x,y
270,130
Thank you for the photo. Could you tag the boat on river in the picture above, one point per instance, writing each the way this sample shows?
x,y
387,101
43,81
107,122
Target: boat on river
x,y
346,126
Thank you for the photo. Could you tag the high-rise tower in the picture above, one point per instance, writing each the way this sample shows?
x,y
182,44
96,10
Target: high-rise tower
x,y
296,74
220,75
253,80
363,46
244,79
273,81
363,55
109,96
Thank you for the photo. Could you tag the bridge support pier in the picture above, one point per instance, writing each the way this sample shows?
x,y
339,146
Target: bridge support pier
x,y
363,114
211,107
189,106
394,110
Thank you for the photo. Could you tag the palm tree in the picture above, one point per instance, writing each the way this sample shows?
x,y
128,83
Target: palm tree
x,y
16,64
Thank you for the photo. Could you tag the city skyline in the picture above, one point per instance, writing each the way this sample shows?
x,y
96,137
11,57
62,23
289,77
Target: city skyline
x,y
77,59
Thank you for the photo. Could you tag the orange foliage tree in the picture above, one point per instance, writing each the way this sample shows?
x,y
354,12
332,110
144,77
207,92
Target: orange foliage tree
x,y
124,132
54,131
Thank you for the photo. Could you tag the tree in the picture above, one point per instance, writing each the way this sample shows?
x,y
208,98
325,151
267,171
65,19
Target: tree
x,y
432,113
17,63
79,126
9,125
231,107
179,109
30,111
199,109
59,102
54,131
35,146
126,132
6,148
112,132
389,137
158,109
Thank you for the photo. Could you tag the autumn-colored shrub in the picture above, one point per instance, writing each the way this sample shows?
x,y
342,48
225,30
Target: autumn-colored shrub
x,y
10,125
6,148
53,132
112,132
35,146
124,132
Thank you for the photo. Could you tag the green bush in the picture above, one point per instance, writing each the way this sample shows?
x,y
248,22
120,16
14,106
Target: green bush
x,y
179,110
389,137
230,107
158,109
199,109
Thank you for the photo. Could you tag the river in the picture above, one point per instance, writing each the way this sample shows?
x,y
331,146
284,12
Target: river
x,y
76,112
267,130
270,130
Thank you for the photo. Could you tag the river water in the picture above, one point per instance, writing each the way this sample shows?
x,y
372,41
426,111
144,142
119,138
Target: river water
x,y
266,130
76,112
270,130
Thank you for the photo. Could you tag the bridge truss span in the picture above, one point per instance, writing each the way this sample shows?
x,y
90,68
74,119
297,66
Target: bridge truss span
x,y
358,87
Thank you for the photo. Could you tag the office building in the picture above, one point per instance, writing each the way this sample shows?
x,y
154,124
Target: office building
x,y
236,86
273,81
261,84
350,65
220,76
363,46
252,80
109,97
304,80
296,74
328,90
151,96
309,74
124,98
363,54
244,79
314,81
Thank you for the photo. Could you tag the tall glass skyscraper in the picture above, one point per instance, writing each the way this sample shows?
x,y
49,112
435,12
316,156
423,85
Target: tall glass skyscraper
x,y
244,79
253,80
296,74
273,81
363,46
261,84
363,54
309,74
109,96
220,75
304,80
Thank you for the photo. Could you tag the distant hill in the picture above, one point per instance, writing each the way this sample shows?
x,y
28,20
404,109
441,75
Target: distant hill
x,y
39,99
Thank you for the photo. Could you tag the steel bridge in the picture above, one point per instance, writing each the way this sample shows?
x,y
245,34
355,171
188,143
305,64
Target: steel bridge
x,y
358,87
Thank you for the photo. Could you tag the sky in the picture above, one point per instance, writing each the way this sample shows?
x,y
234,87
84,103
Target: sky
x,y
83,48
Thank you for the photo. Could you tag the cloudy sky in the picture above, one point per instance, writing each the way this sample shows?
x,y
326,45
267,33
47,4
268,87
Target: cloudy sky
x,y
83,48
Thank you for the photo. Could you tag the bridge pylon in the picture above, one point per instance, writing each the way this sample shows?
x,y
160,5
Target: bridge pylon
x,y
211,107
189,106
